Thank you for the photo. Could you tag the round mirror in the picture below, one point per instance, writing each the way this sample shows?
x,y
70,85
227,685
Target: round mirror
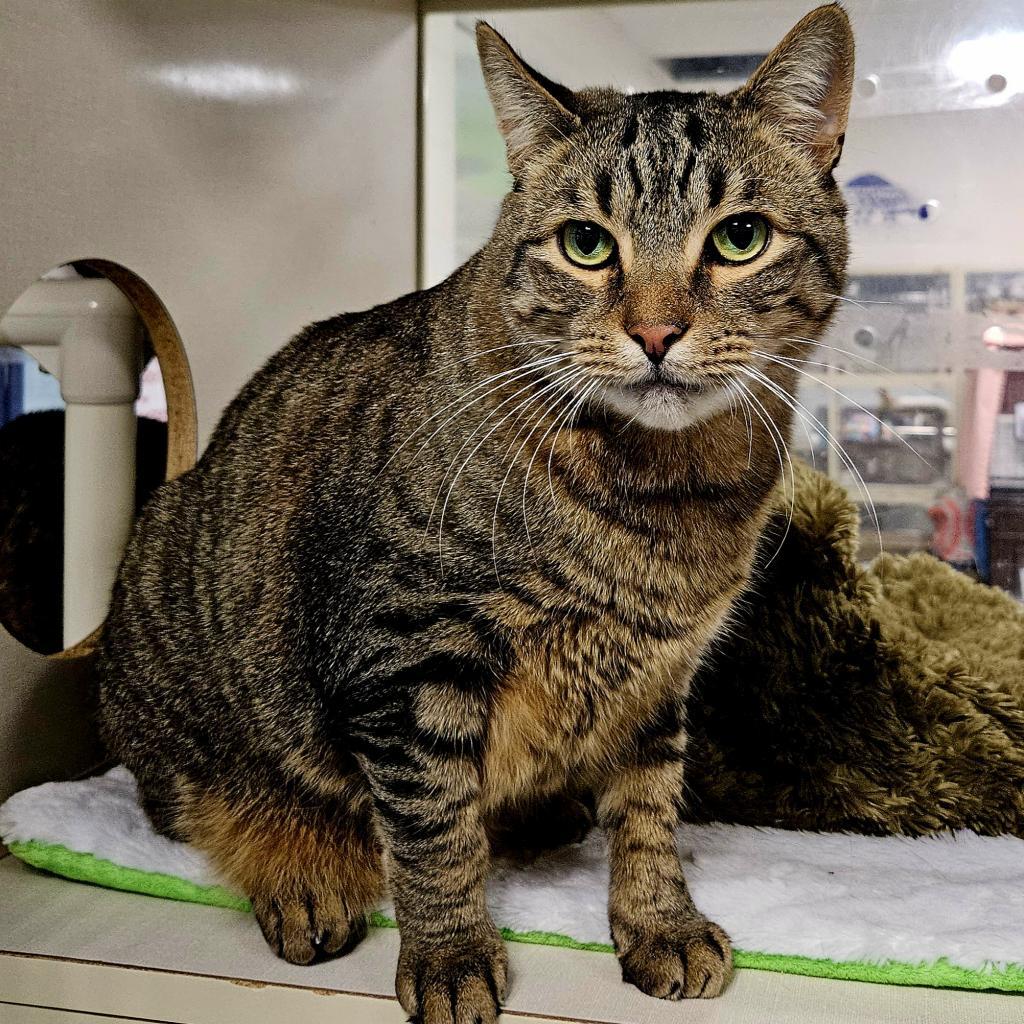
x,y
96,411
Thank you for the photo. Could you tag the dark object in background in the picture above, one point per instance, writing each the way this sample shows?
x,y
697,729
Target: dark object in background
x,y
880,700
982,560
12,384
1004,519
904,445
32,520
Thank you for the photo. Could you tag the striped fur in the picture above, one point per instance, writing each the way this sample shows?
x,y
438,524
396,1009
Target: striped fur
x,y
434,569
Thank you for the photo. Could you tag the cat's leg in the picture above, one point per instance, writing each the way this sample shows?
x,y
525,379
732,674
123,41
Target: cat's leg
x,y
666,947
425,772
161,808
311,868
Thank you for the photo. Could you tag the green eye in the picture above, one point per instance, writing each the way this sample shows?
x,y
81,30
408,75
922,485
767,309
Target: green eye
x,y
586,244
741,237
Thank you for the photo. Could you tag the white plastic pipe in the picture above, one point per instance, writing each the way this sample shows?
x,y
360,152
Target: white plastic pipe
x,y
99,509
87,334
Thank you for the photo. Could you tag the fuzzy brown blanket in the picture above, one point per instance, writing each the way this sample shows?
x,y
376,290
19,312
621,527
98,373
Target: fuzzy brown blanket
x,y
879,700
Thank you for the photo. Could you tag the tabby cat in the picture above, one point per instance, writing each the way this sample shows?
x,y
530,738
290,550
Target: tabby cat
x,y
454,559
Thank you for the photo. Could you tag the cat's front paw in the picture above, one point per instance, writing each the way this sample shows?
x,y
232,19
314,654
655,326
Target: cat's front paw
x,y
459,983
688,960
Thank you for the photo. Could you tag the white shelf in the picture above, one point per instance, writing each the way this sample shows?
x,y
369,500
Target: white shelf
x,y
838,377
76,950
894,494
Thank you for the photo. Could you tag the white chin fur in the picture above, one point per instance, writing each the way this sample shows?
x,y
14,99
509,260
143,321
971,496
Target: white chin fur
x,y
664,408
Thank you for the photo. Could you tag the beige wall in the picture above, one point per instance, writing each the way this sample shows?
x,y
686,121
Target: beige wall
x,y
252,160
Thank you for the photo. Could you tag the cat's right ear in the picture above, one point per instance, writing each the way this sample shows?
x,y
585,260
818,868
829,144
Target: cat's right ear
x,y
805,84
532,110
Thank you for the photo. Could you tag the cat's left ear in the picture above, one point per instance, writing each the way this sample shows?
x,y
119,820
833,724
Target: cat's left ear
x,y
532,110
805,84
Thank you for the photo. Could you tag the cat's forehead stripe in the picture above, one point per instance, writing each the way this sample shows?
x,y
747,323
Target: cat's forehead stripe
x,y
695,130
716,186
630,132
634,176
683,181
660,142
603,191
572,195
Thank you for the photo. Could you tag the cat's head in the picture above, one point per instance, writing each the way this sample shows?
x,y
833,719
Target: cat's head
x,y
672,245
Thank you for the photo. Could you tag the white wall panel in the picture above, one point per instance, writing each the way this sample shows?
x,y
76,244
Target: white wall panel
x,y
254,161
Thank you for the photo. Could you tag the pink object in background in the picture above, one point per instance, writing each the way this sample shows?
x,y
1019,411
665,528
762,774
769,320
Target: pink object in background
x,y
953,536
984,399
1010,337
152,402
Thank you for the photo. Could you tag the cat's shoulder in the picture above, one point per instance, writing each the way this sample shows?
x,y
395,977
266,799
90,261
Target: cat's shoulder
x,y
408,321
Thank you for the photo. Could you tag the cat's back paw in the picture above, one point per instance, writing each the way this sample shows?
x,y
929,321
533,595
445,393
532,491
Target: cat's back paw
x,y
309,928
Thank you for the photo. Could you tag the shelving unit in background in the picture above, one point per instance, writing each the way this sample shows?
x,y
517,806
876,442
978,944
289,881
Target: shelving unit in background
x,y
917,346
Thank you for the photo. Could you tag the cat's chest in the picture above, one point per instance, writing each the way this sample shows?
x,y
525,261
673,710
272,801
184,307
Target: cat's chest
x,y
577,696
608,625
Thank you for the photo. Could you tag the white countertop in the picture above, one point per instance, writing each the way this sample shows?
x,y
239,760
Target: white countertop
x,y
77,947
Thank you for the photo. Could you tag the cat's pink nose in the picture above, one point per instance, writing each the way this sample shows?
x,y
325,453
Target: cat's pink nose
x,y
656,340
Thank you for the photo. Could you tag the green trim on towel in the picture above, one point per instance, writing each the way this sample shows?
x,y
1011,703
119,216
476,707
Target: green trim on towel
x,y
940,974
84,867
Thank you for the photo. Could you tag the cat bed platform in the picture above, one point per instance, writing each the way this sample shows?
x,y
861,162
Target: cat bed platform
x,y
945,912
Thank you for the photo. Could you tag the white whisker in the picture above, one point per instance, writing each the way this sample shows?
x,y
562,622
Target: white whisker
x,y
573,410
781,361
528,387
796,339
861,303
511,376
565,380
529,467
773,432
486,351
831,441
